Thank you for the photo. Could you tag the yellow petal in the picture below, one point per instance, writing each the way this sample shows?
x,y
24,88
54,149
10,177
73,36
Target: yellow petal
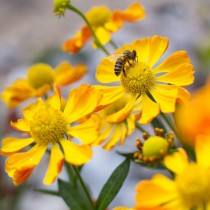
x,y
20,165
172,62
21,125
105,71
103,35
165,96
181,76
81,102
55,165
202,150
177,161
124,132
183,96
76,154
66,74
55,100
123,113
150,109
11,145
87,131
131,123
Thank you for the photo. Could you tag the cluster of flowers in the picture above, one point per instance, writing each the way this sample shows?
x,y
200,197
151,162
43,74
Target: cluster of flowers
x,y
105,115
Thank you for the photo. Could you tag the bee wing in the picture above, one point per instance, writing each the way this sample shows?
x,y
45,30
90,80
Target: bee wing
x,y
114,57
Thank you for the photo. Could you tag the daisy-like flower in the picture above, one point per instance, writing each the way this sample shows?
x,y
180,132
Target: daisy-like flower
x,y
194,118
154,87
40,79
104,22
114,130
48,126
190,188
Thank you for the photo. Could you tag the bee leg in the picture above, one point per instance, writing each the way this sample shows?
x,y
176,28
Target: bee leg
x,y
124,72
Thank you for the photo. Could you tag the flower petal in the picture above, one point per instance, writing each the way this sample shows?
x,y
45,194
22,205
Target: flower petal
x,y
183,96
131,123
55,100
103,35
172,62
202,150
55,165
20,165
21,125
150,109
81,102
11,145
181,76
177,161
87,131
165,96
66,74
76,154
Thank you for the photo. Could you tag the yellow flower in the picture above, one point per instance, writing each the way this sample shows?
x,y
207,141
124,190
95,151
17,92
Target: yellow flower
x,y
114,130
153,87
190,188
104,22
194,118
40,79
48,126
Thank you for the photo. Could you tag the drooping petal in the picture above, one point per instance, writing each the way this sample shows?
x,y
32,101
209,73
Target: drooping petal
x,y
103,35
172,62
21,125
76,154
150,109
183,96
177,161
55,165
202,150
55,100
131,123
20,165
123,113
105,71
165,96
124,132
66,74
11,145
87,131
81,102
181,76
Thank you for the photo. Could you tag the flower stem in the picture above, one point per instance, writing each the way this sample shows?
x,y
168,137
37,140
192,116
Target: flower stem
x,y
140,128
98,43
83,185
113,44
70,174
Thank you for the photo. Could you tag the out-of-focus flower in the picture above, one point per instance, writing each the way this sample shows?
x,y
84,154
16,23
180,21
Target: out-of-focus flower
x,y
190,188
40,79
104,22
153,88
194,118
60,7
48,126
115,129
136,208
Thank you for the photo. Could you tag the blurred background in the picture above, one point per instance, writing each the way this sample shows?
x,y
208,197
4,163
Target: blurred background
x,y
30,33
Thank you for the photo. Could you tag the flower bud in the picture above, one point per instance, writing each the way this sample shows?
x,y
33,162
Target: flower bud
x,y
60,7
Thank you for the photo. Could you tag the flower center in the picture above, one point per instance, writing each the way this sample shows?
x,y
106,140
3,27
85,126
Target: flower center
x,y
138,79
193,185
98,16
48,125
39,75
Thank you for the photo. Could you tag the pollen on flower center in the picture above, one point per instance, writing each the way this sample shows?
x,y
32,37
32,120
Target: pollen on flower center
x,y
48,125
138,79
193,185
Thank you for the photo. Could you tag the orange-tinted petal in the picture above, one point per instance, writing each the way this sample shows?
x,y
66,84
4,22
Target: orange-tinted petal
x,y
172,62
42,90
202,150
105,71
181,76
165,96
150,109
87,131
131,123
21,125
11,145
177,161
183,96
74,44
76,154
66,74
81,102
133,13
55,165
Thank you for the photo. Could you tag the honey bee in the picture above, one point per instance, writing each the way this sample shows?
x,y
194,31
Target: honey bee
x,y
127,56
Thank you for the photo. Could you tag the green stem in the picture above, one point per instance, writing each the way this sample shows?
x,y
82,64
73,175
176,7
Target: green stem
x,y
70,7
83,185
70,174
113,44
140,128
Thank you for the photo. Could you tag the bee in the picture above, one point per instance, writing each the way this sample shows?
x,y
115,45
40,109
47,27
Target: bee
x,y
127,56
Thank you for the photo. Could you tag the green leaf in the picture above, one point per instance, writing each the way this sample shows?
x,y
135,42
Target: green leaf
x,y
113,185
71,196
49,192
